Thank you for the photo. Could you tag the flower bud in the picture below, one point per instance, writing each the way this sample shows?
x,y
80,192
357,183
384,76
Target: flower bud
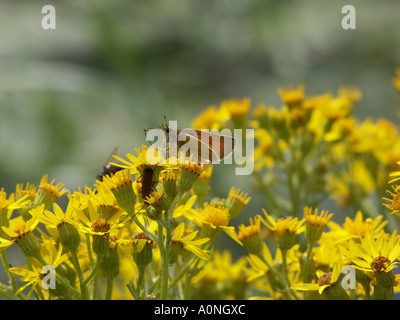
x,y
69,236
100,244
188,174
110,263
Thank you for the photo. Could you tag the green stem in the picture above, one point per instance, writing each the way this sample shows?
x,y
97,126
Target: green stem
x,y
94,270
286,274
306,275
75,261
164,270
293,190
277,276
4,291
110,282
165,251
140,282
89,248
181,274
10,274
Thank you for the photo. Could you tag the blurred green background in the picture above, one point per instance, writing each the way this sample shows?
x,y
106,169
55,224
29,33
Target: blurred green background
x,y
111,68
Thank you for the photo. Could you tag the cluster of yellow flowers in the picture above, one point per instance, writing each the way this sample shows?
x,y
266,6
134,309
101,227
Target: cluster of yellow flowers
x,y
112,240
148,229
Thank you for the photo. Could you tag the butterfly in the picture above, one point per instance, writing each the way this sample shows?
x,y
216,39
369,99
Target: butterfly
x,y
198,146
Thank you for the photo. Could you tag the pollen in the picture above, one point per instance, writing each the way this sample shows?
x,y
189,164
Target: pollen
x,y
19,229
325,279
380,263
394,204
140,235
217,216
100,225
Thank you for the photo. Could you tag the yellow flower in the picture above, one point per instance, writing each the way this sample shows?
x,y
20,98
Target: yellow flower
x,y
21,233
250,235
187,210
236,201
188,243
263,266
158,203
339,107
237,108
8,205
188,174
350,93
324,255
57,217
355,228
317,102
372,255
394,205
315,223
168,179
326,281
65,223
263,153
29,191
286,230
221,278
121,186
292,96
211,118
379,138
395,174
212,219
35,276
96,225
140,240
284,225
48,193
150,159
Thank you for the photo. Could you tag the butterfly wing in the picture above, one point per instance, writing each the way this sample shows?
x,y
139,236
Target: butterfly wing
x,y
205,147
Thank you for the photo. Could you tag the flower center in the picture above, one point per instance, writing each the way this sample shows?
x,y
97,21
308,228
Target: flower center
x,y
325,279
396,202
218,216
380,263
140,235
100,225
19,229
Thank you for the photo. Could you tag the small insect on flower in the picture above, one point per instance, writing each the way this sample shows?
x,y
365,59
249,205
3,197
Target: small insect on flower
x,y
148,183
108,169
198,146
